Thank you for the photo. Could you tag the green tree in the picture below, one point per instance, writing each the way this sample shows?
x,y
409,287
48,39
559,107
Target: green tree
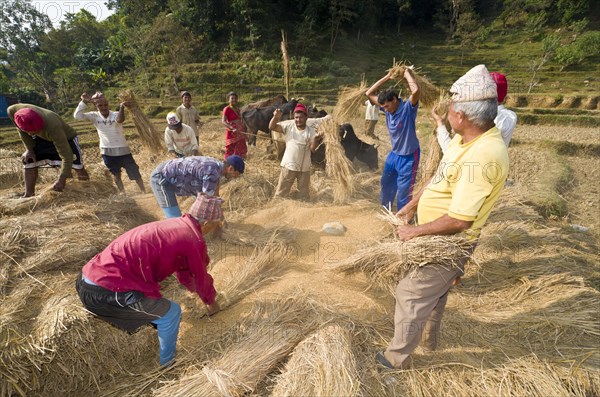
x,y
23,28
585,46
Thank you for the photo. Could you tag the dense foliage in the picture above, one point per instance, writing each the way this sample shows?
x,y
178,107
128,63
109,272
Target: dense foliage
x,y
58,62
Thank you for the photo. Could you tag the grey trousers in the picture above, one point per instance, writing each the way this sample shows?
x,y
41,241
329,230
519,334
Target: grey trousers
x,y
420,303
286,180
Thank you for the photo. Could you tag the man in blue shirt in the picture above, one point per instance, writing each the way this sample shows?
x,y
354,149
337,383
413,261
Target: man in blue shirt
x,y
402,163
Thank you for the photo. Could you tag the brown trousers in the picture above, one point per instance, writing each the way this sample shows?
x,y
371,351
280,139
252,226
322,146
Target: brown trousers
x,y
420,303
370,127
286,180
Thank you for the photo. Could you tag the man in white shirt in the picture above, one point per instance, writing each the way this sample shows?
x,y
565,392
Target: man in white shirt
x,y
113,145
371,117
301,139
187,113
506,120
180,138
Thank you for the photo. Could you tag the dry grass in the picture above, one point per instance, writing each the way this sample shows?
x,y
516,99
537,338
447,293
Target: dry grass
x,y
49,344
269,335
247,192
385,263
278,236
339,168
349,103
148,134
322,365
429,92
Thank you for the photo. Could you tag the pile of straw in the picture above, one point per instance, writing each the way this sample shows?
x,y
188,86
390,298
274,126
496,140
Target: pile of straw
x,y
270,334
148,134
385,263
434,153
429,92
321,365
523,376
51,345
248,192
349,103
338,167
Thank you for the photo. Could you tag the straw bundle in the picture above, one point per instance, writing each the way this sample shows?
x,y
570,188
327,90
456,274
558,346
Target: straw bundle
x,y
434,153
338,166
349,103
148,134
387,262
322,365
50,345
429,92
248,192
270,335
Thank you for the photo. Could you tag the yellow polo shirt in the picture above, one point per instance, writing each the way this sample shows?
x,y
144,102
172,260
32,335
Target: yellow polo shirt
x,y
468,181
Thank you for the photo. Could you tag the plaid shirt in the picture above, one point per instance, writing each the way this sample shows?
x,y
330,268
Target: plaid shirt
x,y
193,175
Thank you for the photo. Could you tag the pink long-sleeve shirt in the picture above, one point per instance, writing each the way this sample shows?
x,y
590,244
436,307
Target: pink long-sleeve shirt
x,y
144,256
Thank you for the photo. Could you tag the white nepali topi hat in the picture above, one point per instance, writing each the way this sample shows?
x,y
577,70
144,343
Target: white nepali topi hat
x,y
476,85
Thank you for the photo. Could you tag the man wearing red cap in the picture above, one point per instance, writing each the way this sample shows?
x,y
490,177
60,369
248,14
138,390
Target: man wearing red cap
x,y
49,142
506,119
301,139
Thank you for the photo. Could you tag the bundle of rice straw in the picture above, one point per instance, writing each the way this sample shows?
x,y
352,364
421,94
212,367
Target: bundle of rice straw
x,y
50,344
338,166
321,365
251,191
234,283
435,154
429,92
385,263
271,333
148,134
349,103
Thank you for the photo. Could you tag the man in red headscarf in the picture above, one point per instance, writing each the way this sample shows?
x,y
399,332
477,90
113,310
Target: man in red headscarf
x,y
49,142
300,139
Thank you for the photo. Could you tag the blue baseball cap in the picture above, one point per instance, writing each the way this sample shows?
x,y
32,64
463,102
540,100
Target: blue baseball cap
x,y
236,162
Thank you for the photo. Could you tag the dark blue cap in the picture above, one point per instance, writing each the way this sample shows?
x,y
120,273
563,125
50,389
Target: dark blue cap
x,y
236,162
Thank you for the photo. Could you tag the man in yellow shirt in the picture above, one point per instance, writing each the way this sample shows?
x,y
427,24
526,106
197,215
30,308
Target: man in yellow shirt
x,y
459,198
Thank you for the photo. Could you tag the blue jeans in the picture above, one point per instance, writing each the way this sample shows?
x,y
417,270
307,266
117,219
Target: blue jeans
x,y
164,193
168,329
399,173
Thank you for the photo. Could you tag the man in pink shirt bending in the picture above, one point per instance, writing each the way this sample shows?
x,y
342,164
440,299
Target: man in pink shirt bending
x,y
121,284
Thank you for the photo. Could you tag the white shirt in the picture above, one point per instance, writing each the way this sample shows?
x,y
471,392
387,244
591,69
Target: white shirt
x,y
372,112
183,142
297,146
505,121
109,130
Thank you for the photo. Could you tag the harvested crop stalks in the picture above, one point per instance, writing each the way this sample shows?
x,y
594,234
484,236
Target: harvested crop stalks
x,y
148,134
270,334
385,263
321,365
429,92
